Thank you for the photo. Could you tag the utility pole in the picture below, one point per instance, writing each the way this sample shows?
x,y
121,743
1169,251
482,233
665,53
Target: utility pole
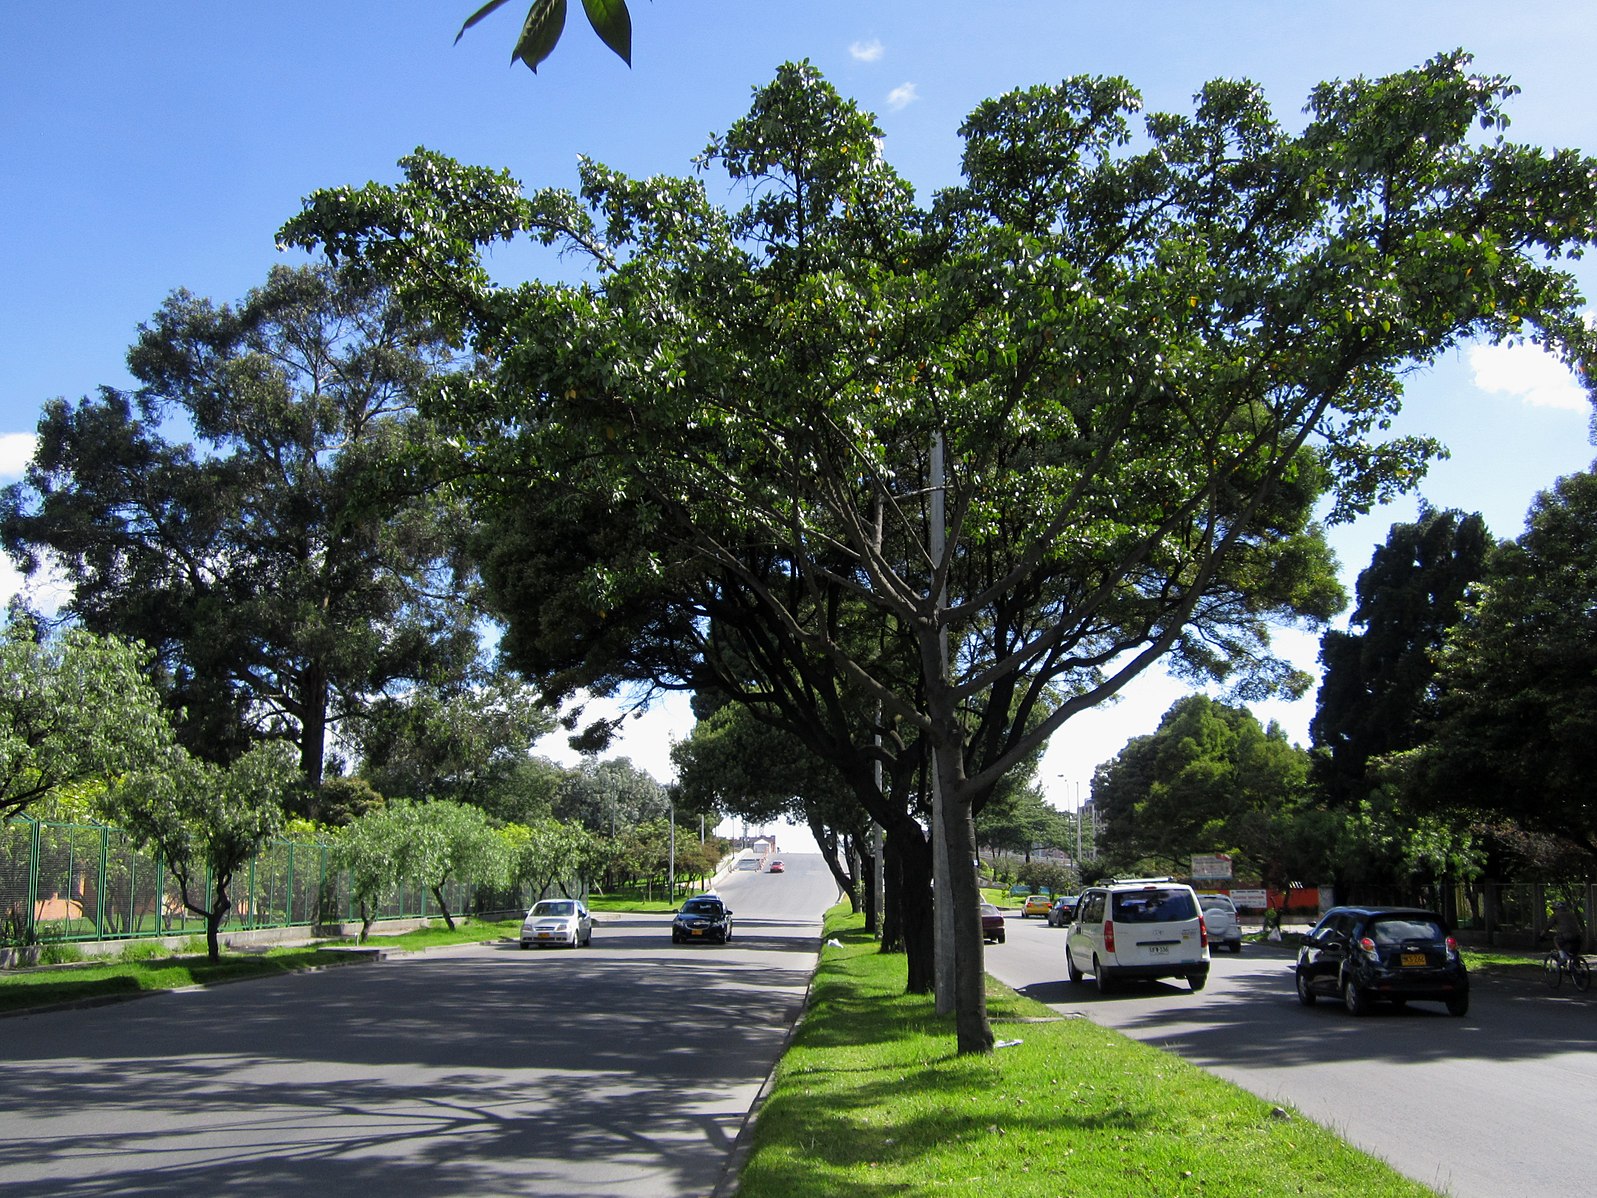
x,y
942,885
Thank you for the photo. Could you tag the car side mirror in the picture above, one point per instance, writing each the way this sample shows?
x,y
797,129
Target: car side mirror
x,y
729,911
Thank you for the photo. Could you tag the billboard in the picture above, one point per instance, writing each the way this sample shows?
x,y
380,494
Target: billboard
x,y
1211,867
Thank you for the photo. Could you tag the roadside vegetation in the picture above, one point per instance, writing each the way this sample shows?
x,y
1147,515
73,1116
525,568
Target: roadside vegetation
x,y
871,1099
146,967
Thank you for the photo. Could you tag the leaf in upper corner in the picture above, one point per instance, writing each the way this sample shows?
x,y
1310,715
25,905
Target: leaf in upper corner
x,y
613,24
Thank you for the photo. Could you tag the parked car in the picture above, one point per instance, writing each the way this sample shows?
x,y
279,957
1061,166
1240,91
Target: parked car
x,y
1220,915
1035,904
1063,911
1365,955
557,921
992,923
777,867
703,917
1140,928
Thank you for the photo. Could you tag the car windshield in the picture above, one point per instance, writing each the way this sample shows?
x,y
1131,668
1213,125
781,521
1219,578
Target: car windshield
x,y
1395,930
555,908
988,909
701,907
1154,906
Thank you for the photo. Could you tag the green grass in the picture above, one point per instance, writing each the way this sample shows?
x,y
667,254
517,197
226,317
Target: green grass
x,y
871,1100
147,966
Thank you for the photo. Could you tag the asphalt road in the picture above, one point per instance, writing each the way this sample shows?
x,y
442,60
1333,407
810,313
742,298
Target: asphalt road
x,y
624,1069
1499,1104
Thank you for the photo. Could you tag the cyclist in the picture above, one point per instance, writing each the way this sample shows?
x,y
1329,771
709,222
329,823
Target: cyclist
x,y
1567,934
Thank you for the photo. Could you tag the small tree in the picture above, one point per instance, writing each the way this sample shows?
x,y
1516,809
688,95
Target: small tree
x,y
75,709
368,849
443,840
207,822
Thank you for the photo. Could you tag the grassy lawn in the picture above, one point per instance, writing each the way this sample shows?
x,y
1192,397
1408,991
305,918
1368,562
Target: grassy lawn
x,y
870,1100
149,967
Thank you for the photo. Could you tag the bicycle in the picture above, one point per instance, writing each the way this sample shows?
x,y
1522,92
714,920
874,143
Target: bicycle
x,y
1559,962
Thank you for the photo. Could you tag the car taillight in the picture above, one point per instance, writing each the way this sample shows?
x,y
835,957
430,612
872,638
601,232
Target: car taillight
x,y
1108,935
1452,947
1367,945
1203,933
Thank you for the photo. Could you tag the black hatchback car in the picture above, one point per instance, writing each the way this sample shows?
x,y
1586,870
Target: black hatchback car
x,y
1364,955
704,917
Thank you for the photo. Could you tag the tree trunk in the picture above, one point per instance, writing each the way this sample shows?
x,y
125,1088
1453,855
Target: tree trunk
x,y
220,906
313,724
908,844
443,907
974,1033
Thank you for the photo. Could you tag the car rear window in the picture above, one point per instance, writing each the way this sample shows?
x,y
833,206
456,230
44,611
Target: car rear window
x,y
1154,906
1395,931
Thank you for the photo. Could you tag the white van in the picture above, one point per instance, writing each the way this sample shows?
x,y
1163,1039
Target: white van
x,y
1139,928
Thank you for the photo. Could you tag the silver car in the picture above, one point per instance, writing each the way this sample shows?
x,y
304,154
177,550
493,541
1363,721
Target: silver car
x,y
557,921
1221,915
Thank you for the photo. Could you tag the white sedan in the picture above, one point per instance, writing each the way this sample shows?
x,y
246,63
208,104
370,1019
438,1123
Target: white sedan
x,y
557,921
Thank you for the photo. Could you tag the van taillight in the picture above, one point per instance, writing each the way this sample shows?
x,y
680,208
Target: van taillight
x,y
1108,935
1203,933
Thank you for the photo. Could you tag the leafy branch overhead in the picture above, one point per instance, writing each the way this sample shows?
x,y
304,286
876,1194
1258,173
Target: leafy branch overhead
x,y
546,21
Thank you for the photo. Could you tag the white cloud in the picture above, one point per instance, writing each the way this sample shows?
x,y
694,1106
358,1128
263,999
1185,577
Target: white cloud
x,y
1529,372
902,96
869,51
16,449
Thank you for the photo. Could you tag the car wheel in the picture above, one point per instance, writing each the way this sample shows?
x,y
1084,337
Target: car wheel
x,y
1071,972
1101,976
675,939
1458,1005
1306,996
1000,937
1354,998
1236,947
1197,981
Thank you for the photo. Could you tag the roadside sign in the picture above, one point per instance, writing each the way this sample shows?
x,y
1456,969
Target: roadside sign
x,y
1211,867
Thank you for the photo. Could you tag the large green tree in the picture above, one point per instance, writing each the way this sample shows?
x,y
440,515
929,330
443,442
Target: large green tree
x,y
240,512
469,741
1069,419
1511,729
1209,779
74,708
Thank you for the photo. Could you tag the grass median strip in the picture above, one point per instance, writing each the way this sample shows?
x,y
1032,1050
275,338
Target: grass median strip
x,y
872,1100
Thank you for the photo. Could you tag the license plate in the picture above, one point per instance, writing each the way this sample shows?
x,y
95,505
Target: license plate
x,y
698,931
1414,959
1159,950
545,935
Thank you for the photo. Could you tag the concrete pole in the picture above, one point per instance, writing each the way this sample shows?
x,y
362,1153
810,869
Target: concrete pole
x,y
942,886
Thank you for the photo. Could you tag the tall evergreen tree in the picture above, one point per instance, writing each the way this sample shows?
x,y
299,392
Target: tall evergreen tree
x,y
244,512
1375,681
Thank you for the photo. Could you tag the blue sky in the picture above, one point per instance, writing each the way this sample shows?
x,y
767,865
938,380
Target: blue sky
x,y
155,146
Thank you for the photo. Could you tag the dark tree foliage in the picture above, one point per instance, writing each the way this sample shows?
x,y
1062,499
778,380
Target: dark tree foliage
x,y
1512,728
1375,681
242,513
